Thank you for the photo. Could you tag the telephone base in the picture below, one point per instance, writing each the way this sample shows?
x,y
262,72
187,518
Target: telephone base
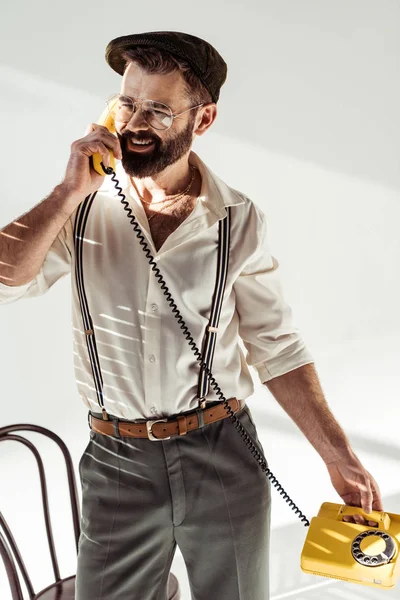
x,y
352,552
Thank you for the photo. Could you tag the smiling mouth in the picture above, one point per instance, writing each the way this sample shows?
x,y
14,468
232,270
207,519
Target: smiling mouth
x,y
140,147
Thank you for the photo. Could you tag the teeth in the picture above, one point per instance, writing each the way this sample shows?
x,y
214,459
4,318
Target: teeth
x,y
143,143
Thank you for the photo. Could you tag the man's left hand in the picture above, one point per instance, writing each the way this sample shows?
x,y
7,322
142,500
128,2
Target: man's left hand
x,y
356,486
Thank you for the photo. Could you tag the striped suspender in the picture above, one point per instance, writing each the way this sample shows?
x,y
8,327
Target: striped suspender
x,y
211,330
79,230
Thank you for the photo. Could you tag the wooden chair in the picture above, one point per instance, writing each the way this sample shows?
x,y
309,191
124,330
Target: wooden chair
x,y
61,589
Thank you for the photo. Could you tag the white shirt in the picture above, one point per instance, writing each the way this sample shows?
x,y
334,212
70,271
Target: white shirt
x,y
147,365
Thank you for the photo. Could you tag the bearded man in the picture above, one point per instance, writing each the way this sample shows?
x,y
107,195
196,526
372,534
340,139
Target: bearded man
x,y
164,466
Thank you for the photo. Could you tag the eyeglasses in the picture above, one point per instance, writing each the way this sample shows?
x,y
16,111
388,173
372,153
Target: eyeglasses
x,y
157,115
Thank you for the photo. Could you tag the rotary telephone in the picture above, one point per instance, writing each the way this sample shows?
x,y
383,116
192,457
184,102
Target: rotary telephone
x,y
333,548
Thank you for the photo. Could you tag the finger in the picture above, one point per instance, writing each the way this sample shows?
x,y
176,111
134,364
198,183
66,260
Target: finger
x,y
352,518
93,126
88,129
97,147
359,519
105,154
101,129
377,505
366,496
110,140
113,143
377,498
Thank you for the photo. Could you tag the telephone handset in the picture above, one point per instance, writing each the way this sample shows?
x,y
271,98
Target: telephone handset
x,y
333,548
106,119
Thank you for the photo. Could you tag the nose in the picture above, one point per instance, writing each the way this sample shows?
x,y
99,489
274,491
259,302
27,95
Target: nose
x,y
137,120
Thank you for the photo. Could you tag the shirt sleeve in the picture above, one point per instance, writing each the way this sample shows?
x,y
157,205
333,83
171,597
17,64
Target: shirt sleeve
x,y
274,346
57,264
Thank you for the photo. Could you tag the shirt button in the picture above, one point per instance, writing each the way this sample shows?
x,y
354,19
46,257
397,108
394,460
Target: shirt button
x,y
152,358
153,410
153,307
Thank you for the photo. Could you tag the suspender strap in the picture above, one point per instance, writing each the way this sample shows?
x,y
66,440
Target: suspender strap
x,y
79,230
212,328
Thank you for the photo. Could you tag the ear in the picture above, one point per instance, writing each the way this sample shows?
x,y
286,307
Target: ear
x,y
205,118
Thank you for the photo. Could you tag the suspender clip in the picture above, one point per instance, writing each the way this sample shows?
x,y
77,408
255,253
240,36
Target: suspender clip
x,y
105,415
202,403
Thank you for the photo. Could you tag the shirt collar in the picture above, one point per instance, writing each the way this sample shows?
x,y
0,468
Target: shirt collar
x,y
215,194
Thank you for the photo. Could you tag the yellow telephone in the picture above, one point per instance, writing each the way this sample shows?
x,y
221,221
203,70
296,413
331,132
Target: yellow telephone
x,y
350,551
106,119
333,548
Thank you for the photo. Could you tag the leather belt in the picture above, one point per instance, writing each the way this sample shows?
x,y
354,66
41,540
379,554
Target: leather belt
x,y
163,429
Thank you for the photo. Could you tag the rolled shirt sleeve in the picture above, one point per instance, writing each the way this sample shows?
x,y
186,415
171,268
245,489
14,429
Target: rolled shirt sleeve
x,y
57,264
274,346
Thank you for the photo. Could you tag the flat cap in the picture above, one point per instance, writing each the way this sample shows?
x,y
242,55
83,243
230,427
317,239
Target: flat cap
x,y
202,57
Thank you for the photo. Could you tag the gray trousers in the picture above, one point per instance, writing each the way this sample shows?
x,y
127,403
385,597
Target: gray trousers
x,y
203,491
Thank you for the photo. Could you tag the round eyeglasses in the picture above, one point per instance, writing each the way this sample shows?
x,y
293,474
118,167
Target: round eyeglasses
x,y
157,115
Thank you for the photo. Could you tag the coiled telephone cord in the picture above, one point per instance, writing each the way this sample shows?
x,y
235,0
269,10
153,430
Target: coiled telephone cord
x,y
260,458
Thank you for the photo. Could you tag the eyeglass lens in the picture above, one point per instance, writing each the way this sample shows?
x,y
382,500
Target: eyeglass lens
x,y
155,114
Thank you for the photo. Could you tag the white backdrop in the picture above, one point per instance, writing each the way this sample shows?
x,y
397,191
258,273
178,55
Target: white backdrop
x,y
308,127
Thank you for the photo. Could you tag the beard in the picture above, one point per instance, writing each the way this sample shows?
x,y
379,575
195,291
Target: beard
x,y
164,153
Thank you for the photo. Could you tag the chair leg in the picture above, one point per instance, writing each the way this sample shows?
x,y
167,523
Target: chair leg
x,y
174,592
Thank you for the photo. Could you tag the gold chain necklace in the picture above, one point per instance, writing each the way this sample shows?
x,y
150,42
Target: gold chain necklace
x,y
170,199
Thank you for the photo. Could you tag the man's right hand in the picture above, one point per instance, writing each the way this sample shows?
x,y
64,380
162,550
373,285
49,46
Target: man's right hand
x,y
80,178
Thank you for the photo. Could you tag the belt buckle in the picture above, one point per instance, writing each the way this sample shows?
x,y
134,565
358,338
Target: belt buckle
x,y
149,425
